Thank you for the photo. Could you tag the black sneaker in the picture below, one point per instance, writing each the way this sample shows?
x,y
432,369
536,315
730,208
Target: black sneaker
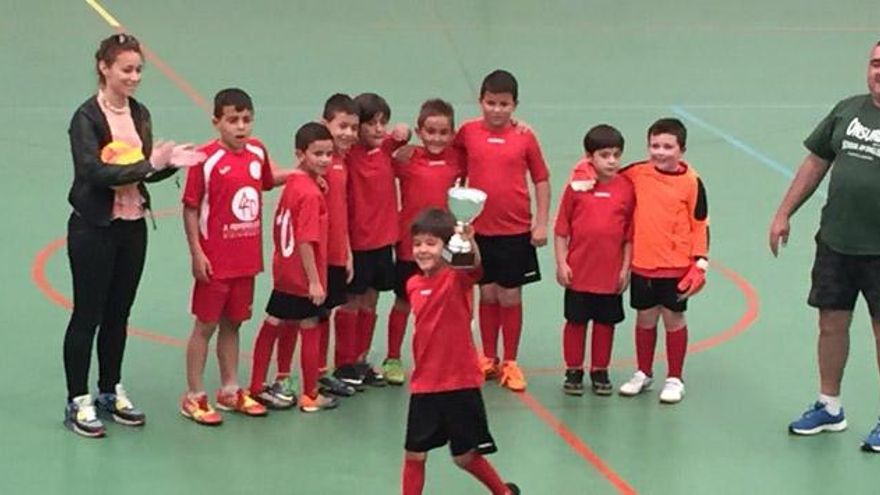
x,y
514,490
370,376
574,382
349,374
601,383
329,384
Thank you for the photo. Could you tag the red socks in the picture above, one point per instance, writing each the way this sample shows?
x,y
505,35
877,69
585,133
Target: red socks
x,y
396,331
646,340
511,329
490,324
574,338
600,346
413,476
346,338
311,338
676,348
480,468
365,324
287,334
263,346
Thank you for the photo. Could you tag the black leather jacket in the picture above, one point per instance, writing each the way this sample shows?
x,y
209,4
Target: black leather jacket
x,y
91,193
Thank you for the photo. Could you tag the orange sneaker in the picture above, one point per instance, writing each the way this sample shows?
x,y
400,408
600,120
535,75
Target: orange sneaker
x,y
512,377
199,410
489,367
241,402
319,403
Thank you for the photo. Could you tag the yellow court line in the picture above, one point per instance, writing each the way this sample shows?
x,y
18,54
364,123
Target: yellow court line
x,y
103,13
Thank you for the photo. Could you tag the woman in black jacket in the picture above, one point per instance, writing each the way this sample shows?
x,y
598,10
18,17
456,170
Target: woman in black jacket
x,y
106,233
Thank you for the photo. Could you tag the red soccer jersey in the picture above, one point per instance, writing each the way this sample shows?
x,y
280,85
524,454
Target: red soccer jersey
x,y
497,162
424,183
227,190
337,212
301,216
597,223
443,347
372,196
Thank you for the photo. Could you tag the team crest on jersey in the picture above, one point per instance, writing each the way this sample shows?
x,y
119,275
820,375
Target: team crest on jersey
x,y
255,169
496,140
425,292
246,204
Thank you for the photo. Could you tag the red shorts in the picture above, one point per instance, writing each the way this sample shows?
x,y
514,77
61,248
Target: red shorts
x,y
231,298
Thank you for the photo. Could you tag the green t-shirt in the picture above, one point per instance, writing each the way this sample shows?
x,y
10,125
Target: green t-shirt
x,y
849,138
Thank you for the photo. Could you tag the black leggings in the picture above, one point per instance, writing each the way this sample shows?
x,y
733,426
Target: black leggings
x,y
106,264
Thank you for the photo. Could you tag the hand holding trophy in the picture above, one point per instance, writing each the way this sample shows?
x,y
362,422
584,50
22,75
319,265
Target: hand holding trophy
x,y
465,204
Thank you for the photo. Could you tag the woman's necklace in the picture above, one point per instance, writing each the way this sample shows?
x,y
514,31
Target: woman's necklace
x,y
109,106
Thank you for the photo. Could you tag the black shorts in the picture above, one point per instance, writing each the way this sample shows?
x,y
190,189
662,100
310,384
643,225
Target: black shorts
x,y
336,287
646,292
581,307
839,278
508,260
373,269
403,271
457,417
286,306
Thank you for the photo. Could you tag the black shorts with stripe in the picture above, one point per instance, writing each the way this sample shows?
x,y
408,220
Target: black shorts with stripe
x,y
457,417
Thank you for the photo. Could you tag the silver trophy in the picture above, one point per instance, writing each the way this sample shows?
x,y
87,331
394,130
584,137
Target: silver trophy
x,y
465,204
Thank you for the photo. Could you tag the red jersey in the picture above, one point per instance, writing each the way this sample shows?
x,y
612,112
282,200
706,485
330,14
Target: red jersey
x,y
227,190
497,162
444,354
337,212
424,183
372,196
301,216
597,223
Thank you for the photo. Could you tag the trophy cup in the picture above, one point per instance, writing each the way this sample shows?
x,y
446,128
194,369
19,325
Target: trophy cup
x,y
465,204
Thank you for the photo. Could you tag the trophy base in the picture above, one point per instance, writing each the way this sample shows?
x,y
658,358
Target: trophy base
x,y
460,260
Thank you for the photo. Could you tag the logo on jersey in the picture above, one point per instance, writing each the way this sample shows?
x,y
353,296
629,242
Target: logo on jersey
x,y
225,170
246,204
285,233
256,169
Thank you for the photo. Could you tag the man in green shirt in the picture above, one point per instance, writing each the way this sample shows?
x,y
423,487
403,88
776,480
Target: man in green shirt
x,y
847,263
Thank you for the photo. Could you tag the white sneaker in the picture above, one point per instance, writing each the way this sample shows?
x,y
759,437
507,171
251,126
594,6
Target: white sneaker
x,y
636,385
673,391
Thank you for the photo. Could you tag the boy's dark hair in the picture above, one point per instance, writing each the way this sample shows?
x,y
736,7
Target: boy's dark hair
x,y
500,81
369,105
339,103
309,133
111,47
232,97
602,136
436,107
435,222
670,126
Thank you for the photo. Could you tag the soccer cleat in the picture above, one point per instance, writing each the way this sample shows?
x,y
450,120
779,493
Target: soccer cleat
x,y
512,377
574,382
240,401
120,408
489,367
319,403
349,374
512,489
673,391
872,441
600,382
817,419
329,384
393,370
639,383
199,410
370,376
81,418
280,395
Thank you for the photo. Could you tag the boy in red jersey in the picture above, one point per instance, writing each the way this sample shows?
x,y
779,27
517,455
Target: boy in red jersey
x,y
372,225
670,249
498,156
299,263
446,405
425,174
593,246
222,218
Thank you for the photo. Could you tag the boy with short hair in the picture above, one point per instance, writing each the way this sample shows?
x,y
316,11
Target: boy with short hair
x,y
446,405
425,174
299,262
593,246
222,218
372,223
498,157
670,253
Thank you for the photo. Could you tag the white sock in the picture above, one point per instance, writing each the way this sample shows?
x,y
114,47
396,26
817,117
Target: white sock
x,y
230,389
832,403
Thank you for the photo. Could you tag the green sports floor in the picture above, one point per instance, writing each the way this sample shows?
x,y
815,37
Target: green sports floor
x,y
750,78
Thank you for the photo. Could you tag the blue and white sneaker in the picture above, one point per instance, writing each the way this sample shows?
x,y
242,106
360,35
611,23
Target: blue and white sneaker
x,y
817,419
80,417
118,406
872,441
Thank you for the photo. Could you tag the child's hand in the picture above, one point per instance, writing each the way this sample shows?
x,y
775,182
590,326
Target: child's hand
x,y
400,133
466,232
539,235
316,293
349,270
693,281
623,281
185,155
201,267
563,274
